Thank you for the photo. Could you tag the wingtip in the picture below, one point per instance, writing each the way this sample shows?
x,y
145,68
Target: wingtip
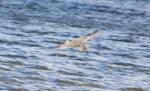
x,y
96,30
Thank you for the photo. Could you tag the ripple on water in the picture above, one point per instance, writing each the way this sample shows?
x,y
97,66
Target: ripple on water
x,y
40,67
72,73
130,56
124,64
132,89
14,56
118,58
16,62
75,83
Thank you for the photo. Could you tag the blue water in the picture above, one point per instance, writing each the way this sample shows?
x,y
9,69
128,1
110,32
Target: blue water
x,y
118,58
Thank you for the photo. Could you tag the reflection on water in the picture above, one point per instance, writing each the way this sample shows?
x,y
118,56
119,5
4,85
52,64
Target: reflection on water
x,y
118,58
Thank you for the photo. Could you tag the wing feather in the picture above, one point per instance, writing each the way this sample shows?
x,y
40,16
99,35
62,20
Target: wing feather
x,y
62,46
88,36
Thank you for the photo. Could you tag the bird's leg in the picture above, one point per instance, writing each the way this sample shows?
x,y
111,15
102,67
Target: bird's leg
x,y
86,52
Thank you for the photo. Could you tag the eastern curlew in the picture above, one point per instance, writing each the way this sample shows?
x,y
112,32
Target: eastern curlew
x,y
77,43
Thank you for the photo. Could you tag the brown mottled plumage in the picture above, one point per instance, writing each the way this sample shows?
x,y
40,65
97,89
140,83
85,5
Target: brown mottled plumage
x,y
77,43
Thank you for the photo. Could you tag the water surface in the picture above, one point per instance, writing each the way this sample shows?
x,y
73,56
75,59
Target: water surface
x,y
118,58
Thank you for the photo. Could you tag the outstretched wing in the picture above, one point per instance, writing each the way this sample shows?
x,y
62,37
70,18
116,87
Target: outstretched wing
x,y
88,36
62,46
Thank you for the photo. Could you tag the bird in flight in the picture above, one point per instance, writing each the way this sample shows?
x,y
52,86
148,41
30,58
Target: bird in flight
x,y
77,43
